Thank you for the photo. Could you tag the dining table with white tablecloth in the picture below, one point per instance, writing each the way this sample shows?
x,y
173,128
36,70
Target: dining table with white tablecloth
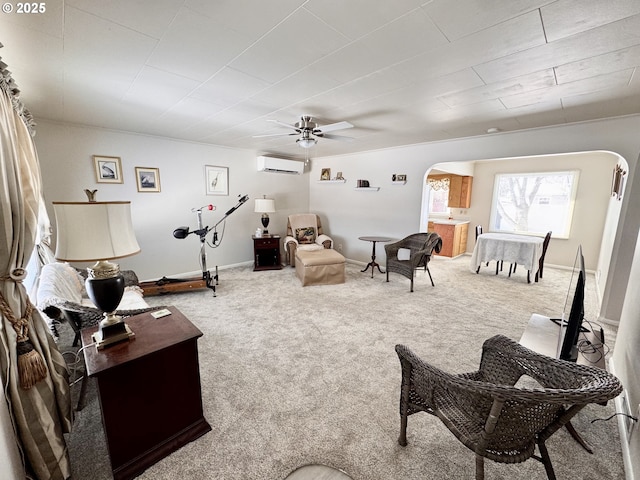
x,y
524,250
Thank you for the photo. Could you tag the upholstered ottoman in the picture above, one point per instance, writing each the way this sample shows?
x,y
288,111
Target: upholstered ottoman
x,y
319,267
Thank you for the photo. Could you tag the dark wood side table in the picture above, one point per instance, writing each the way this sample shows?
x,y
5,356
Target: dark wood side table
x,y
266,253
373,264
149,390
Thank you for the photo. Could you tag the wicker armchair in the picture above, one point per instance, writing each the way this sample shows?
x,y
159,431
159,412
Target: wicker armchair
x,y
421,246
489,414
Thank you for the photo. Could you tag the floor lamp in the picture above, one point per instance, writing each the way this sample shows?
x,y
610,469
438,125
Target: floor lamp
x,y
99,231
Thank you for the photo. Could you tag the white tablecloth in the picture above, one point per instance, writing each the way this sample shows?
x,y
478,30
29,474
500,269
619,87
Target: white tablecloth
x,y
524,250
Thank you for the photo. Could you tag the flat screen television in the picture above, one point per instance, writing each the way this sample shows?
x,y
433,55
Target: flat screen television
x,y
573,313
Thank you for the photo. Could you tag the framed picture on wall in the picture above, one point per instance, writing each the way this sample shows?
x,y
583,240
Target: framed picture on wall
x,y
148,179
108,169
217,180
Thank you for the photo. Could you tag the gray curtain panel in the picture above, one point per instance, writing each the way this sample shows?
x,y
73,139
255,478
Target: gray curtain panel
x,y
42,413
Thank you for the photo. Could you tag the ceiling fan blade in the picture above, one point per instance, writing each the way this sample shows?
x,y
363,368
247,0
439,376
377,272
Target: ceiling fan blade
x,y
342,138
284,124
333,126
274,135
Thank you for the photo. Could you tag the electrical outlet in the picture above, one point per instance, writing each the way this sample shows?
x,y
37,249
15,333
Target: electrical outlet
x,y
339,247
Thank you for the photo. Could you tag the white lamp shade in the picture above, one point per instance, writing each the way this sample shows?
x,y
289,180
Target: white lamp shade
x,y
265,205
93,231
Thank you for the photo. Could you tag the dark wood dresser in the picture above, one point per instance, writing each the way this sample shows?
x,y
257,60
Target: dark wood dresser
x,y
149,390
266,253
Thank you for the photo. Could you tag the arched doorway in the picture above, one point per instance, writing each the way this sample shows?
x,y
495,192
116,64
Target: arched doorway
x,y
596,214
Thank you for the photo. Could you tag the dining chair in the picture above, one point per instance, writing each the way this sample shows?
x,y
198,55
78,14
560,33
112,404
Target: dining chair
x,y
545,245
499,263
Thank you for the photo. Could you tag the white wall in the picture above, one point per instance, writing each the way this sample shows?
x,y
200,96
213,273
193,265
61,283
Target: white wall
x,y
591,206
458,168
614,208
65,154
395,211
626,361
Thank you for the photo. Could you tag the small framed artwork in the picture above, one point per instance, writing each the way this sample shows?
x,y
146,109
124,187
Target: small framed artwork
x,y
325,174
108,169
217,180
148,179
401,178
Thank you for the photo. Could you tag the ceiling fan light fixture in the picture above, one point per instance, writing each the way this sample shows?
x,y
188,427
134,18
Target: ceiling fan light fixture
x,y
306,142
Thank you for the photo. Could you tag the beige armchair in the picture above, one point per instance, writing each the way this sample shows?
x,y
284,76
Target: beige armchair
x,y
304,231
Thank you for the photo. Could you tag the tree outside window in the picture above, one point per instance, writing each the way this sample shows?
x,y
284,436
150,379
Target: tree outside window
x,y
534,203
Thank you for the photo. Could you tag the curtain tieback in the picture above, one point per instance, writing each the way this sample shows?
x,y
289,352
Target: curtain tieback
x,y
31,366
16,275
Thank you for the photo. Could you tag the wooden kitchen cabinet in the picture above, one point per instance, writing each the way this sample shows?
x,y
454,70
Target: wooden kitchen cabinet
x,y
454,238
460,191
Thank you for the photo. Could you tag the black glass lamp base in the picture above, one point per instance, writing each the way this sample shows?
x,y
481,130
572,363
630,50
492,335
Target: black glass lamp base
x,y
112,334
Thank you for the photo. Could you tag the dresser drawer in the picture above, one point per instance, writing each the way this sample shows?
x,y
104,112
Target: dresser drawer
x,y
267,242
266,253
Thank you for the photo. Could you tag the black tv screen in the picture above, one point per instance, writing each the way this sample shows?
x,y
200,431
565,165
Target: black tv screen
x,y
573,321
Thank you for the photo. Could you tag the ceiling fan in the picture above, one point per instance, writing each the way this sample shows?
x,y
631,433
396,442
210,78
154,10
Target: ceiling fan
x,y
308,130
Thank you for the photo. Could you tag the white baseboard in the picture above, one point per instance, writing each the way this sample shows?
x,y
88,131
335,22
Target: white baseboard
x,y
624,434
608,321
356,262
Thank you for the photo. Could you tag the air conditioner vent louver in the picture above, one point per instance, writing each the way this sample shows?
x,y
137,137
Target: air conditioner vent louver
x,y
280,165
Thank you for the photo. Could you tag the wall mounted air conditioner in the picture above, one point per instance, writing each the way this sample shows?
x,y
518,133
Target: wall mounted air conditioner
x,y
280,165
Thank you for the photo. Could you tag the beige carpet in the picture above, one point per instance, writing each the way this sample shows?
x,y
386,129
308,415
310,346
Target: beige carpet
x,y
294,376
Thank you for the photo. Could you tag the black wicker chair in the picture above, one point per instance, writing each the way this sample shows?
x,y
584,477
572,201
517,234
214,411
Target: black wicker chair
x,y
79,316
493,417
421,246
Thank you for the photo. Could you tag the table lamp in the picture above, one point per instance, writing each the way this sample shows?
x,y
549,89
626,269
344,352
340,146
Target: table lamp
x,y
265,206
99,231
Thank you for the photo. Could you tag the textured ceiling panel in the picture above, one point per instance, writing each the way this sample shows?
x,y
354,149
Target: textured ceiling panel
x,y
401,72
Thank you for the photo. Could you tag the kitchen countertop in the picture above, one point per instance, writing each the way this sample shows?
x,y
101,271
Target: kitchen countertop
x,y
444,221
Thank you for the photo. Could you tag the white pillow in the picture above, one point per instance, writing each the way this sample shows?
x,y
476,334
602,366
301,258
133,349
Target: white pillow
x,y
404,254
